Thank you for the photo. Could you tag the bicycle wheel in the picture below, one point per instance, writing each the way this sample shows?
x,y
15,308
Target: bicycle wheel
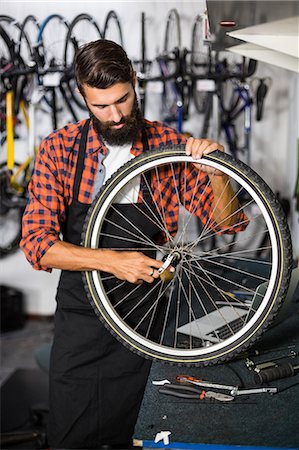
x,y
141,67
83,29
11,230
215,306
26,39
12,206
9,30
172,38
200,64
7,51
51,39
112,28
173,98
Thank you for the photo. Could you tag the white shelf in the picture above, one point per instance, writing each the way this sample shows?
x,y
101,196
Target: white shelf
x,y
274,42
266,55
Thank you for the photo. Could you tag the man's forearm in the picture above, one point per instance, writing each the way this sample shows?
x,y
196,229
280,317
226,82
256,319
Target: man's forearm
x,y
131,266
66,256
225,201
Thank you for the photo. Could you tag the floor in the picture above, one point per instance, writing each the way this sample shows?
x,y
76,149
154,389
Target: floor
x,y
18,347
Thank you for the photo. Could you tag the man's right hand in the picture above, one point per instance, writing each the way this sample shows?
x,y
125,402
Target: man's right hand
x,y
134,267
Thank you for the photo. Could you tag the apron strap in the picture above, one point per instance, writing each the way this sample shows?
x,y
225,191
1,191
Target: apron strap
x,y
81,157
144,184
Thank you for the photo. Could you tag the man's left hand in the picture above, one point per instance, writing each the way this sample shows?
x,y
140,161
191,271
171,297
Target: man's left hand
x,y
199,147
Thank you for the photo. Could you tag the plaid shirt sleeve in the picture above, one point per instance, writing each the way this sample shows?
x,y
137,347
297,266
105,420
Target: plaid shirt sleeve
x,y
45,210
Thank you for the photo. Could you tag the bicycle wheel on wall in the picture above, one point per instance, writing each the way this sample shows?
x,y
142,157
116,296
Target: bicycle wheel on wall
x,y
51,39
83,29
172,37
112,28
27,37
12,206
172,107
11,229
215,305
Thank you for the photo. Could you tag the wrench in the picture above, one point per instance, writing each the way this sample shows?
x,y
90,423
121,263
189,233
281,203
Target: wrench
x,y
233,390
236,391
192,380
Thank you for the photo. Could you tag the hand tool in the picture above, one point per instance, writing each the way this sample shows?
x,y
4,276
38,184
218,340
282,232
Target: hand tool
x,y
251,365
275,373
234,390
269,390
193,393
192,380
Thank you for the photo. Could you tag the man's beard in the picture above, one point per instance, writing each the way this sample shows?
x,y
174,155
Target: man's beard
x,y
125,135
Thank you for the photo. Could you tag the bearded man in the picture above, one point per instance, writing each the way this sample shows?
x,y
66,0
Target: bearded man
x,y
96,384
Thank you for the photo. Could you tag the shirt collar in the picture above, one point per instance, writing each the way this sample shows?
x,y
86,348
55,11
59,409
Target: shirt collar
x,y
94,144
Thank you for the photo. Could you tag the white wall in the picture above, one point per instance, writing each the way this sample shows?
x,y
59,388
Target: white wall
x,y
274,139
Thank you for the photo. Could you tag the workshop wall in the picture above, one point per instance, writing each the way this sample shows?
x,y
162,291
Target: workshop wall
x,y
274,140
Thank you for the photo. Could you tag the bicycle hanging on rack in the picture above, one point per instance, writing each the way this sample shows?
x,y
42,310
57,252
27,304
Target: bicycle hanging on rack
x,y
83,29
112,28
13,175
173,105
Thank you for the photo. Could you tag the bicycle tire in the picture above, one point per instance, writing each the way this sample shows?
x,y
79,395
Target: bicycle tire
x,y
26,37
52,50
90,31
10,218
7,50
142,66
112,17
173,26
69,52
11,59
265,291
15,31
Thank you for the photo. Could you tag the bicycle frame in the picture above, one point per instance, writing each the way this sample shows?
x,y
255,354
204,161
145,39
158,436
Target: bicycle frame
x,y
242,104
177,115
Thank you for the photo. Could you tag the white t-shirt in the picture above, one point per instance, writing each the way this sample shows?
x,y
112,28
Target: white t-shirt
x,y
117,156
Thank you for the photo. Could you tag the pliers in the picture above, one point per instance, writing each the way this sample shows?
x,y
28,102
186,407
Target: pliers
x,y
193,393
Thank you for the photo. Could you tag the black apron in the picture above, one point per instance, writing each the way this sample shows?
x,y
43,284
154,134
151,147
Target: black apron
x,y
96,384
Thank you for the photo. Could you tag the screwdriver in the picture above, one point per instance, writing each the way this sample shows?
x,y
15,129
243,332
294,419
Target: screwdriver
x,y
275,373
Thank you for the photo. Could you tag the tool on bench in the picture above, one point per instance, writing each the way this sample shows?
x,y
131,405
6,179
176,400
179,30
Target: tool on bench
x,y
257,367
275,373
233,390
193,393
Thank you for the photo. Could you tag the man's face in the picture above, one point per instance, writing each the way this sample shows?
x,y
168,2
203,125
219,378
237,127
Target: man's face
x,y
114,112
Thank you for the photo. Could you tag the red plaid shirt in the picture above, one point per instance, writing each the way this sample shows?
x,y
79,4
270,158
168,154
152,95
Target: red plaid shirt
x,y
51,185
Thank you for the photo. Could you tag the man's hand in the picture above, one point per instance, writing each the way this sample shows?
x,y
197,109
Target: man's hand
x,y
199,147
134,267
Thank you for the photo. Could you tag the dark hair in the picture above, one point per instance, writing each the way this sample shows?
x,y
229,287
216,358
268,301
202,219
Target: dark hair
x,y
101,64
